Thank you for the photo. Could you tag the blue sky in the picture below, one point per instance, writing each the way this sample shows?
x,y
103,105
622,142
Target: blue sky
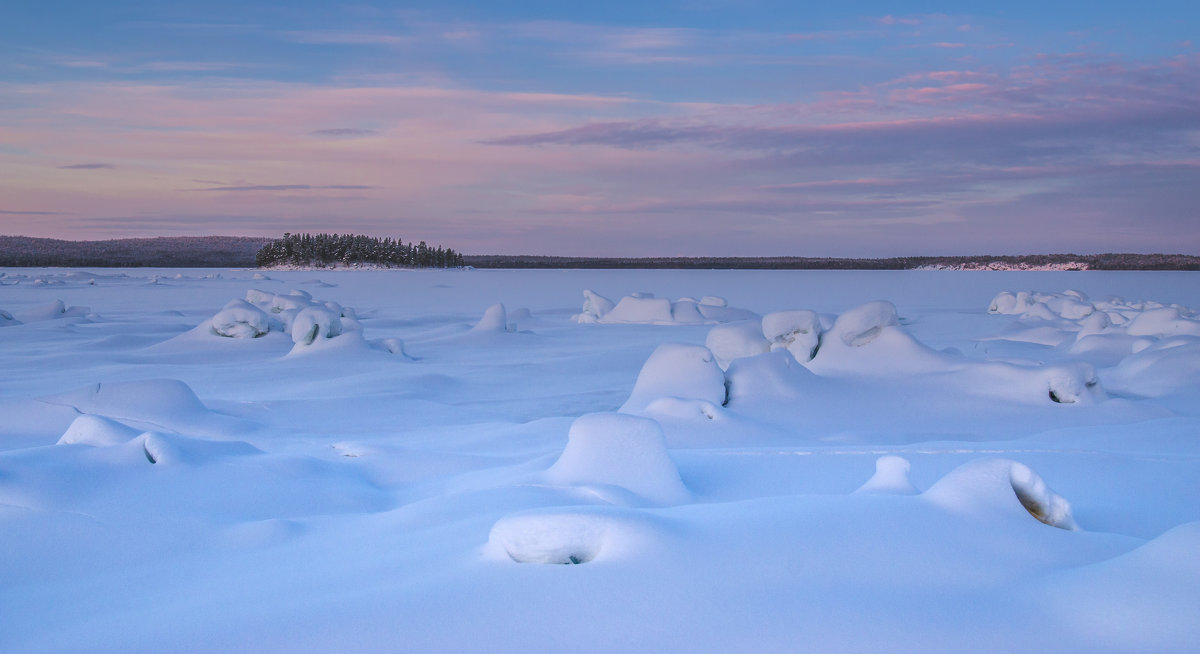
x,y
699,128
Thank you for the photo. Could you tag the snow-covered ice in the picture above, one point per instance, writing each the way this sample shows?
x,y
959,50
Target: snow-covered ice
x,y
768,461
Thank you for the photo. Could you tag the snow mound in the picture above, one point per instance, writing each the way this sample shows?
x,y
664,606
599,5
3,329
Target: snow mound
x,y
769,375
869,340
1071,383
1074,312
495,319
1163,322
151,404
640,310
615,449
7,319
891,476
594,306
146,399
681,371
240,319
646,309
1001,485
798,332
1111,333
861,325
97,431
1158,368
735,340
174,449
53,311
557,536
313,323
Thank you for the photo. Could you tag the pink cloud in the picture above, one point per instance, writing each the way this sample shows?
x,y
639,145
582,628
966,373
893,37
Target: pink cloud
x,y
898,20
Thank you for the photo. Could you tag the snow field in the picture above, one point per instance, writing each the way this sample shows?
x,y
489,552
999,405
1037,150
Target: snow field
x,y
842,473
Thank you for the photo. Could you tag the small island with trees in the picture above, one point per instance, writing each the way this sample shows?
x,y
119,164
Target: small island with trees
x,y
353,250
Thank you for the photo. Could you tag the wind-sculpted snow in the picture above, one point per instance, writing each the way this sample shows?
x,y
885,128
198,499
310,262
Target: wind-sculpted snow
x,y
615,449
495,319
1004,487
1146,347
677,371
240,319
891,476
866,462
798,332
97,431
736,340
55,310
311,325
570,536
162,404
645,309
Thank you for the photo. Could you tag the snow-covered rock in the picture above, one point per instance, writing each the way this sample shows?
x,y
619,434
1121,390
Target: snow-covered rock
x,y
735,340
640,310
681,371
595,306
314,323
620,450
643,308
774,374
1001,485
798,332
569,536
240,319
861,325
868,340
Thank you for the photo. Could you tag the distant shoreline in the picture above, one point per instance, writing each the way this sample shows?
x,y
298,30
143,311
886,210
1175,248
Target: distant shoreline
x,y
239,251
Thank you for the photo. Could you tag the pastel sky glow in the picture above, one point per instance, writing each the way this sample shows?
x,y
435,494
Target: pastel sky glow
x,y
693,128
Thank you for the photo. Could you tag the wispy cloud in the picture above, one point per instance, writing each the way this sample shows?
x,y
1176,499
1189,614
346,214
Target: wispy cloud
x,y
1025,111
343,132
898,20
32,213
87,166
347,37
285,187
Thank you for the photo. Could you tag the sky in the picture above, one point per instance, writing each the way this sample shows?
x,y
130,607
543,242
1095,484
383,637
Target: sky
x,y
706,128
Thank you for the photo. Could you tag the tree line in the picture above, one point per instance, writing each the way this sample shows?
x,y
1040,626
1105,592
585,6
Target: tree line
x,y
162,252
1107,261
351,249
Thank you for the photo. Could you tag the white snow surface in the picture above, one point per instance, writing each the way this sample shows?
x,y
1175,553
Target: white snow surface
x,y
929,461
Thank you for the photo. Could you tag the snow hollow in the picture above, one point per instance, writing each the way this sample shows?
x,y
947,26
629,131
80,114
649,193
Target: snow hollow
x,y
599,461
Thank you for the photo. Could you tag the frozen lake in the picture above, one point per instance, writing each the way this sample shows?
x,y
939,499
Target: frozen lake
x,y
746,461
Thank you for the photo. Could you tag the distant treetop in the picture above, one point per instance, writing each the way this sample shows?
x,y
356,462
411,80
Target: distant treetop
x,y
350,249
